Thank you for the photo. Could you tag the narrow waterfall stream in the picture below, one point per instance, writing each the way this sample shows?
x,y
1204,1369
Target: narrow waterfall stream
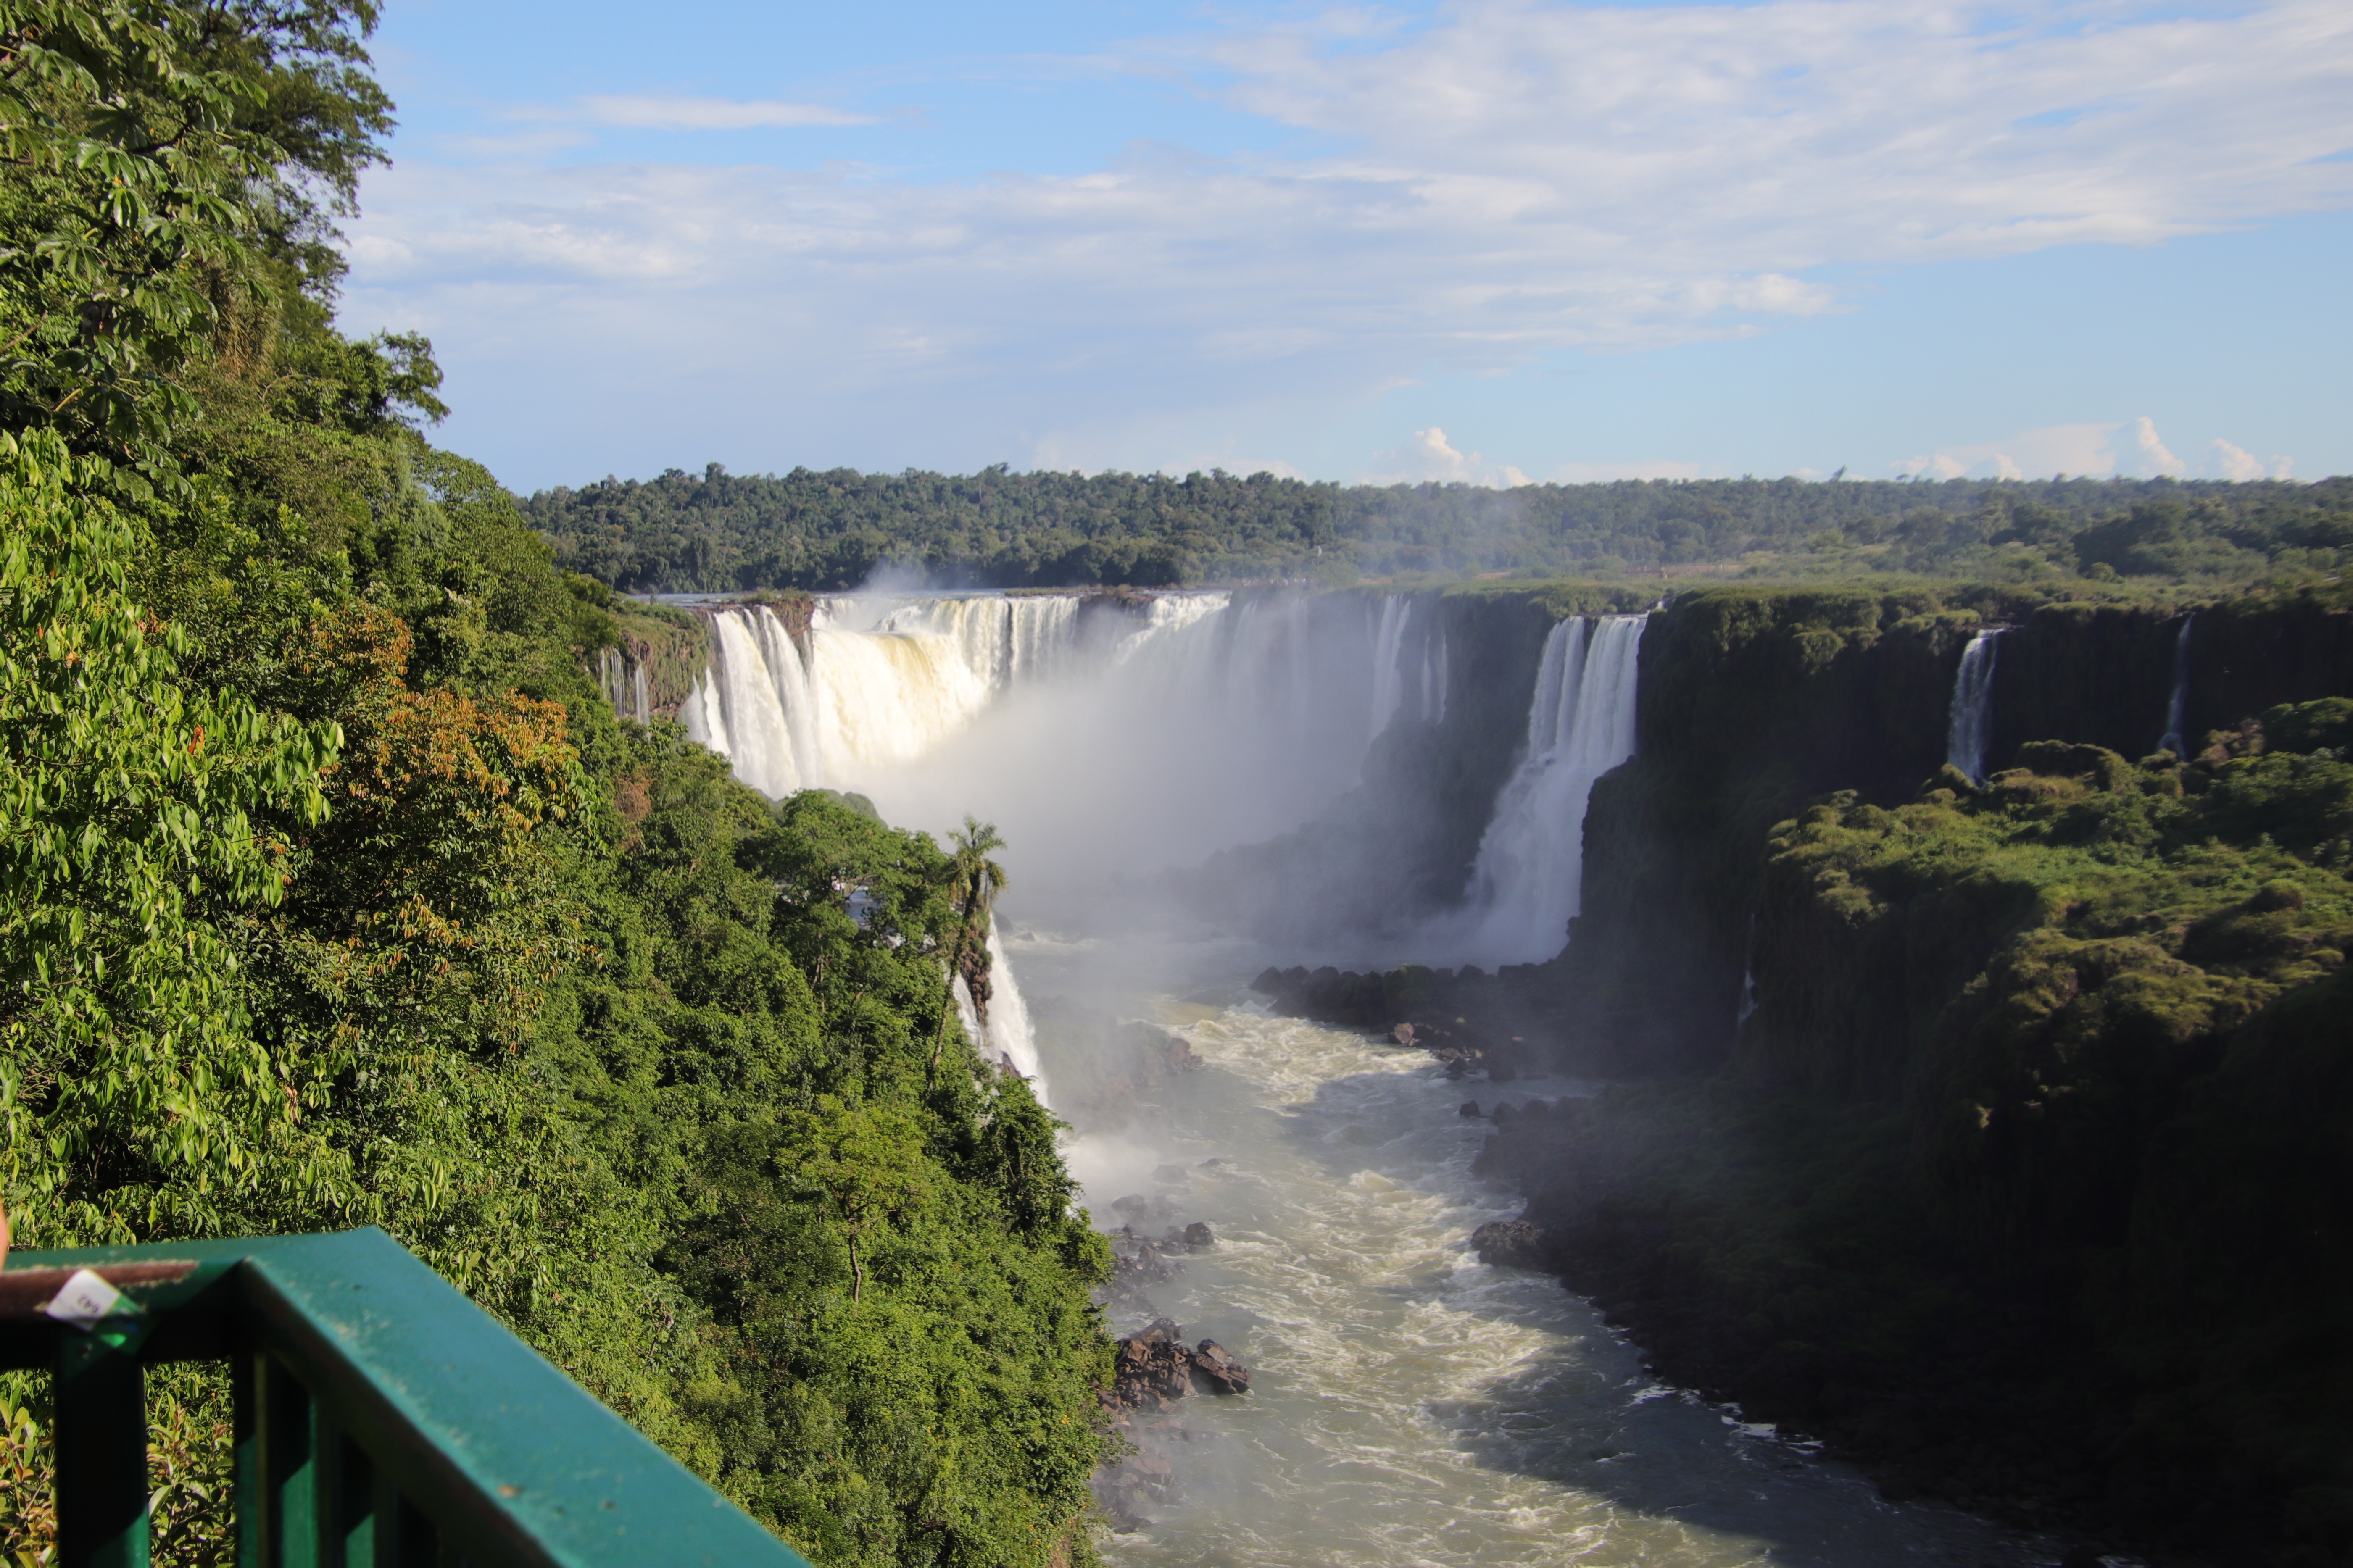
x,y
2177,707
1411,1404
1970,732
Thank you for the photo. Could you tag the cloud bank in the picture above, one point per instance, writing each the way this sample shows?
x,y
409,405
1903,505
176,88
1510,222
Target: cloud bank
x,y
1514,179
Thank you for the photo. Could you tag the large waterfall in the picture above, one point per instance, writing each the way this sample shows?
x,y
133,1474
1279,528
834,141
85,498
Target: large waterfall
x,y
1111,738
1970,731
1525,885
1102,734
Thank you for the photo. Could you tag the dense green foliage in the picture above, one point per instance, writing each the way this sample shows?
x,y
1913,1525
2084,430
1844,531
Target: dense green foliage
x,y
717,531
2057,1076
333,891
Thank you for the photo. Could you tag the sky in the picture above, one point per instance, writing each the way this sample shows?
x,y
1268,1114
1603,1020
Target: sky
x,y
1495,241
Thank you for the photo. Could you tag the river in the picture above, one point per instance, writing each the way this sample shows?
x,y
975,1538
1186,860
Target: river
x,y
1411,1404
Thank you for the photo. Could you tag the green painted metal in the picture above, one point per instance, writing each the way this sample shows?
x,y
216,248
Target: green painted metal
x,y
383,1420
101,1438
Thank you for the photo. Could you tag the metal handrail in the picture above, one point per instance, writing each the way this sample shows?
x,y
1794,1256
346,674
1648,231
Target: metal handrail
x,y
382,1420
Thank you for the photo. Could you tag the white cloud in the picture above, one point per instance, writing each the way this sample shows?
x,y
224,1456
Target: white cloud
x,y
2129,448
2029,454
2235,462
1516,178
1432,457
646,112
2148,456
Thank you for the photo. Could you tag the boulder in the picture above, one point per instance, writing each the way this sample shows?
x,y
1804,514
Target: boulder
x,y
1149,1371
1216,1369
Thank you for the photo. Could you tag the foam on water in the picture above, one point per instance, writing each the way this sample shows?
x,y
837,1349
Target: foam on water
x,y
1412,1405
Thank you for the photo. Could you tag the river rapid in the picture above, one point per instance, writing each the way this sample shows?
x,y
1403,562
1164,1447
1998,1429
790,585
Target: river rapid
x,y
1411,1404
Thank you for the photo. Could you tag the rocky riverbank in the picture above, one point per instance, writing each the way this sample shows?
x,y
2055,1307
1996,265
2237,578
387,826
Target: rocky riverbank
x,y
1154,1370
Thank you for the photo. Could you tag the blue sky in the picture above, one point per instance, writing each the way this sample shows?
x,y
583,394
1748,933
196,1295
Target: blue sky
x,y
1496,241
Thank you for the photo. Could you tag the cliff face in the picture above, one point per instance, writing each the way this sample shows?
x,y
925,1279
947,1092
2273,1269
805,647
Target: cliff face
x,y
1755,701
2027,1177
1750,703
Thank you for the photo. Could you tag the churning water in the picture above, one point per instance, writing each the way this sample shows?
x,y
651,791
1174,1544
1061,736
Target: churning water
x,y
1410,1404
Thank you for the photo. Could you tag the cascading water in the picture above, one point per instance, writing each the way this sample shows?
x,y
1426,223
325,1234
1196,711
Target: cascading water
x,y
2177,711
1970,731
1007,1036
1434,675
1525,886
751,704
1389,649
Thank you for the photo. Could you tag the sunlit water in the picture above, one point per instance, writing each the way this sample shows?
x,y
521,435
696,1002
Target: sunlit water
x,y
1410,1404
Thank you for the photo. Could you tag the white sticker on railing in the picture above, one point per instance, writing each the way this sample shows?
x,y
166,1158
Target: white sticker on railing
x,y
85,1299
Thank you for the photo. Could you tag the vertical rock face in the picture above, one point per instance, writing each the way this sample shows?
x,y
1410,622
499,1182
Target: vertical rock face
x,y
1753,702
1750,703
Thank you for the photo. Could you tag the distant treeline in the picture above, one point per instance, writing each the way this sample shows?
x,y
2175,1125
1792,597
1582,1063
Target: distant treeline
x,y
717,531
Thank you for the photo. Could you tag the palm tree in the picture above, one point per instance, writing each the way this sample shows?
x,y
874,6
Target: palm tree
x,y
974,882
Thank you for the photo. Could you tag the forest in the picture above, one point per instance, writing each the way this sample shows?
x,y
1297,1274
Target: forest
x,y
722,532
333,893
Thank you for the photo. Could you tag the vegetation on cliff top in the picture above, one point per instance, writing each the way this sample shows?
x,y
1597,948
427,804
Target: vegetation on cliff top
x,y
331,892
721,533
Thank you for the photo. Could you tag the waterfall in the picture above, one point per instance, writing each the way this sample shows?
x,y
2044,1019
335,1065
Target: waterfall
x,y
1389,649
2177,711
1008,1036
751,704
1525,887
1748,1009
1002,641
1971,729
1433,678
1106,736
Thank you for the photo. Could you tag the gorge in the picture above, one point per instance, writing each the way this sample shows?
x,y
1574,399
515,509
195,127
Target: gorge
x,y
1200,785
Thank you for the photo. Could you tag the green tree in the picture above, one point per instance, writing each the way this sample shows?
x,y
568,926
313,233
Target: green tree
x,y
136,1097
974,882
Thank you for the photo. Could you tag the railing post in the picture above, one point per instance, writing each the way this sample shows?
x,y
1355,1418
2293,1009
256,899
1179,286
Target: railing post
x,y
289,1482
346,1499
101,1434
252,1464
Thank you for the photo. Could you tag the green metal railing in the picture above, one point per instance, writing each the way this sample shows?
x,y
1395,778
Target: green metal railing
x,y
382,1420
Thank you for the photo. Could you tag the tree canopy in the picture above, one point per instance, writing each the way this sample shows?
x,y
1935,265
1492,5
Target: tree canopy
x,y
721,533
333,893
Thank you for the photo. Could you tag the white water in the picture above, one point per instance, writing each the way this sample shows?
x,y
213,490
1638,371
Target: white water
x,y
1970,731
1100,738
1410,1407
2177,709
1009,1033
1108,740
1008,1037
1525,885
